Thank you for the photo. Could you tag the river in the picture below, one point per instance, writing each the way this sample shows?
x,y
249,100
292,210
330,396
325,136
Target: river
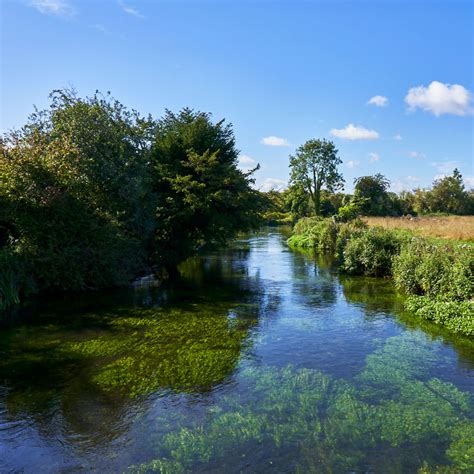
x,y
260,359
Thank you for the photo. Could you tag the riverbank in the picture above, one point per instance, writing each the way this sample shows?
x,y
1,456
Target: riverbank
x,y
436,276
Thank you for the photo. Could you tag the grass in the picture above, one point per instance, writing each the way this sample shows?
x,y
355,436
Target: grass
x,y
442,227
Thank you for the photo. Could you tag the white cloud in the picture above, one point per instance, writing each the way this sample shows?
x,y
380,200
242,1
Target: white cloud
x,y
273,184
130,10
439,98
246,160
352,164
53,7
397,137
445,167
469,182
374,156
404,184
416,154
275,141
378,101
354,132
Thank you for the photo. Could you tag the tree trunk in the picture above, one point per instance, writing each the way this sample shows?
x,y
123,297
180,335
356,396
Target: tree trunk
x,y
317,202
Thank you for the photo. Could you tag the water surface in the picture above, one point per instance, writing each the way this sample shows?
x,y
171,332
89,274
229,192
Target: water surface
x,y
259,360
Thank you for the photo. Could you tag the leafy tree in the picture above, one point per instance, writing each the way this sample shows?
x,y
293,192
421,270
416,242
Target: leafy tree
x,y
314,167
297,201
202,196
74,193
374,190
449,195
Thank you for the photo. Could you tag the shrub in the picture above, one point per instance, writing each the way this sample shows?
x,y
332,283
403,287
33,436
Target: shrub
x,y
424,268
345,232
457,316
371,252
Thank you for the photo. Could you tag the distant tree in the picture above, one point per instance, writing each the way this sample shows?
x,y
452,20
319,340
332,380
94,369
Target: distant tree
x,y
297,201
202,195
449,195
314,167
374,189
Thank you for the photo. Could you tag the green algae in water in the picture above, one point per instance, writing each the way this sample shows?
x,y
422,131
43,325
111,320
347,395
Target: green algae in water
x,y
332,425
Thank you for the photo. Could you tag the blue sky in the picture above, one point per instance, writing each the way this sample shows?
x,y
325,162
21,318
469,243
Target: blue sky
x,y
281,71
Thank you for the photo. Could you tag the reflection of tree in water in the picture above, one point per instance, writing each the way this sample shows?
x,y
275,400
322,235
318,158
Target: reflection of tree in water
x,y
376,296
314,279
93,369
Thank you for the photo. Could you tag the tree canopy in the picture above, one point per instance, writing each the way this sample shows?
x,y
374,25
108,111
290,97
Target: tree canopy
x,y
314,167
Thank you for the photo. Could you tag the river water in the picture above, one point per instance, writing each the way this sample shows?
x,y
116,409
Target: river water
x,y
259,360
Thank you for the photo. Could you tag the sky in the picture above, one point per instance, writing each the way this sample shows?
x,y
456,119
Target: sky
x,y
390,82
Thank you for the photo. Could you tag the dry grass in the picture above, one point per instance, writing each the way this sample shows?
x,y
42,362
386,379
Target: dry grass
x,y
449,227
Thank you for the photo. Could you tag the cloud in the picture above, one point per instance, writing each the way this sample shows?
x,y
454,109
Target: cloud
x,y
378,101
417,155
275,141
246,160
352,164
273,184
354,132
469,182
445,167
439,99
397,137
130,10
404,184
374,156
53,7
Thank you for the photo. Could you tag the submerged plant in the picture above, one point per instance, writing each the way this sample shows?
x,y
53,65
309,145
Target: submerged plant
x,y
330,425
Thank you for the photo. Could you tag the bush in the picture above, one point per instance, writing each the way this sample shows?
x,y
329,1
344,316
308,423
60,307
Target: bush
x,y
457,316
345,232
307,232
424,268
371,252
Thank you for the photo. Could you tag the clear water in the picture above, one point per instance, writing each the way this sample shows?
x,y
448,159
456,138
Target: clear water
x,y
259,360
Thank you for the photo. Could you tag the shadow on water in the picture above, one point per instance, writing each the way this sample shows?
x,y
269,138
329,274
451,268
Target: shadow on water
x,y
259,359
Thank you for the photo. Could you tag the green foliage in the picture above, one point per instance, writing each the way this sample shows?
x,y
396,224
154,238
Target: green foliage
x,y
435,270
330,425
313,167
202,196
93,194
457,316
447,195
373,191
73,181
371,252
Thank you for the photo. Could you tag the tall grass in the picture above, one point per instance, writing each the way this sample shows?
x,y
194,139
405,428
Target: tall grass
x,y
443,227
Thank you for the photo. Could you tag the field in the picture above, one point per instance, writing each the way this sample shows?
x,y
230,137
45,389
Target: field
x,y
443,227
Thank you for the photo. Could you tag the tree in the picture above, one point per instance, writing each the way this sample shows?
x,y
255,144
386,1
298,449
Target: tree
x,y
374,190
202,195
75,198
449,195
314,167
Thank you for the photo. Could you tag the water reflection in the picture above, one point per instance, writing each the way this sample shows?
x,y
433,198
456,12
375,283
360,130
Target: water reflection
x,y
220,372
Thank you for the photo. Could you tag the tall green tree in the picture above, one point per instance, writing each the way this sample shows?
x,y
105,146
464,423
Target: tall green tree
x,y
373,190
314,167
203,197
449,195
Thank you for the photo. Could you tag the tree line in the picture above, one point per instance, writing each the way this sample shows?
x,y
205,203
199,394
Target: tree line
x,y
315,183
93,194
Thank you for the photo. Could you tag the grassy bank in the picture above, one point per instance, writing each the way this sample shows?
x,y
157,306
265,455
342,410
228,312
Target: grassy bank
x,y
437,275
